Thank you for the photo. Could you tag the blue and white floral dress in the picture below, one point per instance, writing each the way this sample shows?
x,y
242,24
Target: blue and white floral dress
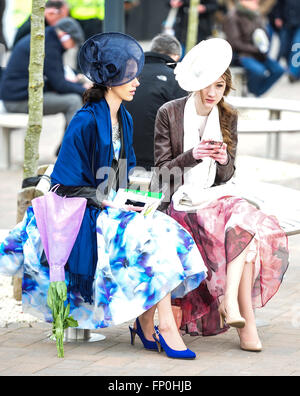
x,y
140,261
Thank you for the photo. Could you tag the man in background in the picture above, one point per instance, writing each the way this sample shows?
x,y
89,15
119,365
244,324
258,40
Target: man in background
x,y
206,12
287,20
54,11
60,94
89,14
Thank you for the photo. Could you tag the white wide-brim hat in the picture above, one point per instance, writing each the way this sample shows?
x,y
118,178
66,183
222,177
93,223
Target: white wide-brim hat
x,y
203,64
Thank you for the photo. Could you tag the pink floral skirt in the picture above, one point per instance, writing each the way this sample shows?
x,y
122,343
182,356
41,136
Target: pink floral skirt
x,y
222,230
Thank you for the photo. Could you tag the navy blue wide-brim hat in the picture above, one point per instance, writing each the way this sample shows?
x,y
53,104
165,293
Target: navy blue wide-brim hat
x,y
111,59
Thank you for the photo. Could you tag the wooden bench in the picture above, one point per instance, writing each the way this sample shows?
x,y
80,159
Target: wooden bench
x,y
275,126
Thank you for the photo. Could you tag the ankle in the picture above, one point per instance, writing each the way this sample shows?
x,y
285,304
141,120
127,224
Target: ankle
x,y
165,328
231,303
249,332
146,324
146,320
172,337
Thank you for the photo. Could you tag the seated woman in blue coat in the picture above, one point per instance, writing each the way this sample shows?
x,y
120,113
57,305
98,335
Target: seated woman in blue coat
x,y
123,264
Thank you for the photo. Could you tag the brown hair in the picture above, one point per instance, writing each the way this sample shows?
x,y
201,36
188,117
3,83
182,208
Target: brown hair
x,y
226,112
94,94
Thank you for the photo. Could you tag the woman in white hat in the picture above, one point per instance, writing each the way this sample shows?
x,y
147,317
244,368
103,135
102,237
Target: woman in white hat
x,y
245,251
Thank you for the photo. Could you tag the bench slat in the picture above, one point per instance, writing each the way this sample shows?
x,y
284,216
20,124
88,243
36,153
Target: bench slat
x,y
267,126
13,120
264,104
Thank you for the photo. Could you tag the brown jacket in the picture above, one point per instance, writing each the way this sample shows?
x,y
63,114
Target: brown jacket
x,y
168,147
238,28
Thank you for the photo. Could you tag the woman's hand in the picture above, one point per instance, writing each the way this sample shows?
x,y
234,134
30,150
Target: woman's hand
x,y
110,204
132,208
214,150
220,154
205,149
127,208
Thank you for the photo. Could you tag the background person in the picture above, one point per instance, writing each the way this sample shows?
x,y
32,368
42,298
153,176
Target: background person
x,y
206,11
2,38
54,11
158,86
60,95
89,14
245,30
287,20
128,7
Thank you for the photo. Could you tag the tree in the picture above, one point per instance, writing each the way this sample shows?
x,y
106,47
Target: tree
x,y
193,21
35,118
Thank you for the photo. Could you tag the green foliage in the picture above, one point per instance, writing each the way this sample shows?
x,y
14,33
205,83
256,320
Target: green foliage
x,y
57,295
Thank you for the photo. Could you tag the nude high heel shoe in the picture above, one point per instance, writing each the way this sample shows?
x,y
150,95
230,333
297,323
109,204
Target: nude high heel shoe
x,y
225,318
251,346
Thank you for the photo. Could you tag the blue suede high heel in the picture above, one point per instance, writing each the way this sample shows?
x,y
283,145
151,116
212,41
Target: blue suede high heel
x,y
151,345
171,353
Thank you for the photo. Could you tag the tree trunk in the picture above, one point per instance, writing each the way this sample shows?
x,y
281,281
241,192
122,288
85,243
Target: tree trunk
x,y
35,108
193,21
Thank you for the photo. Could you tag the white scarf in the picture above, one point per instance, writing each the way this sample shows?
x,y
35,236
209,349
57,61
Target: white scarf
x,y
202,175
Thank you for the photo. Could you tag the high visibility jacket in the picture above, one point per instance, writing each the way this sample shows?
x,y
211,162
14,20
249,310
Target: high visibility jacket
x,y
21,11
87,9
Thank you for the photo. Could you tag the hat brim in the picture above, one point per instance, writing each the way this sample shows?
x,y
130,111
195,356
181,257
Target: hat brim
x,y
203,64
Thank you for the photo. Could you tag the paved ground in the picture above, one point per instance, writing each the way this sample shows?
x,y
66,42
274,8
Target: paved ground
x,y
25,348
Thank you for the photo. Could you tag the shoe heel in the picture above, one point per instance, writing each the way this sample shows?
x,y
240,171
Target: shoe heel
x,y
132,335
157,343
237,321
172,353
222,322
151,345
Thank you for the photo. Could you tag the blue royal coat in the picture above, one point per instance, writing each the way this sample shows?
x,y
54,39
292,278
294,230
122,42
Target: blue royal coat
x,y
87,147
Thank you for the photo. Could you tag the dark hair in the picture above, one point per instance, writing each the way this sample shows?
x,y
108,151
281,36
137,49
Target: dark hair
x,y
94,94
227,112
55,4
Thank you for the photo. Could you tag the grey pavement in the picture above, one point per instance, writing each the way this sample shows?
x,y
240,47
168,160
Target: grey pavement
x,y
25,348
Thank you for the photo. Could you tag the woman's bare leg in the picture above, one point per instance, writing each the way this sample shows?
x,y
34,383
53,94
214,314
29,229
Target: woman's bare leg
x,y
167,325
233,279
249,333
147,322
